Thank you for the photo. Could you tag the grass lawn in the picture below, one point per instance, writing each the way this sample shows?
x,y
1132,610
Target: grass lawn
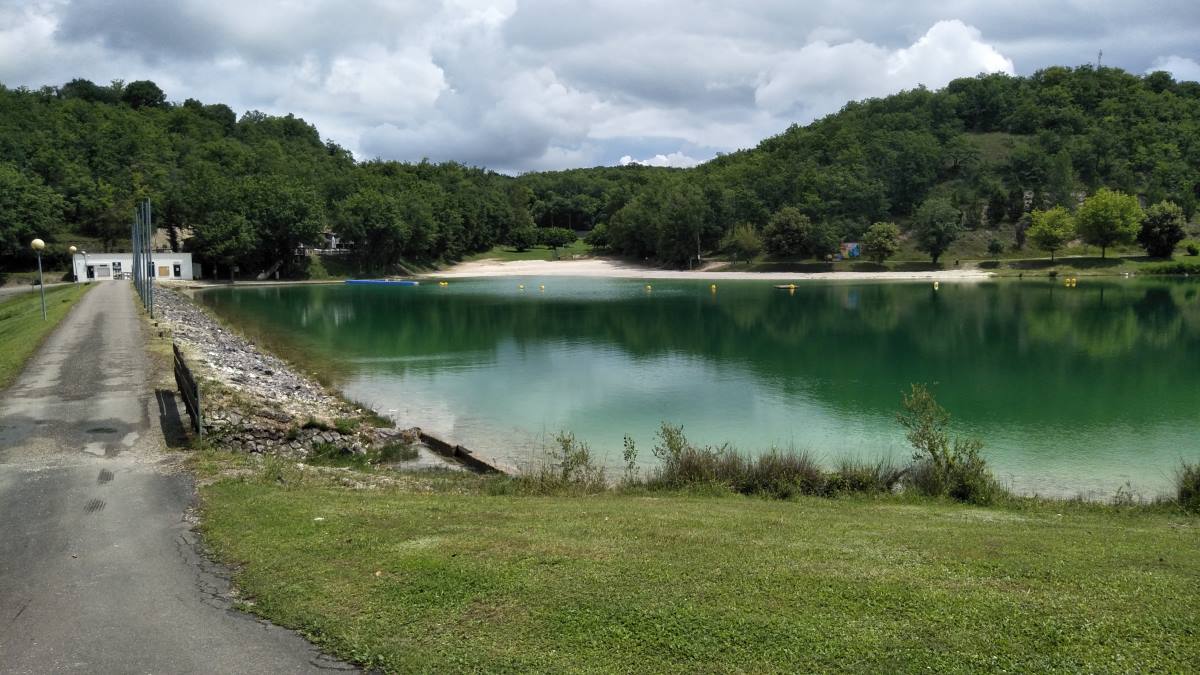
x,y
438,576
507,253
22,329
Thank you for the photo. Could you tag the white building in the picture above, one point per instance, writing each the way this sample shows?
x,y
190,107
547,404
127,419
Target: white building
x,y
103,266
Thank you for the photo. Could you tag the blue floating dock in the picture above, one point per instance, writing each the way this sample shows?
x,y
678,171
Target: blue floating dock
x,y
383,282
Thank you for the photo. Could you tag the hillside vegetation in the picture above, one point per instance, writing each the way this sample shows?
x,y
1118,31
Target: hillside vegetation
x,y
250,191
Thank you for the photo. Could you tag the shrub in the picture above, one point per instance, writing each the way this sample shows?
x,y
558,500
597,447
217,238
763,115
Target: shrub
x,y
862,476
779,474
1192,248
314,423
941,465
345,426
1162,229
743,242
333,455
397,452
568,468
1175,267
629,454
1187,486
554,237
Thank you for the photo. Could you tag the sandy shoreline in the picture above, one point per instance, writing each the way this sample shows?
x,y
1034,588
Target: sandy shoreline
x,y
615,269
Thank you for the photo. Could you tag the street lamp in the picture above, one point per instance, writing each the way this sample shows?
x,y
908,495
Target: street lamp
x,y
38,245
74,270
85,265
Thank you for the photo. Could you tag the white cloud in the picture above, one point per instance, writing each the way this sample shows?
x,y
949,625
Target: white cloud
x,y
674,159
1181,68
819,78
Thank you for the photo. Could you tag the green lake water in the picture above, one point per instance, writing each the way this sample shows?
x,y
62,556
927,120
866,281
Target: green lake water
x,y
1073,390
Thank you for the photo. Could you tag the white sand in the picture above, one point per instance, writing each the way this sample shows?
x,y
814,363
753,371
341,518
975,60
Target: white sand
x,y
615,269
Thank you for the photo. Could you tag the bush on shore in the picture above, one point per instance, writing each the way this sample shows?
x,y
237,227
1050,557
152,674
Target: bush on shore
x,y
780,474
1187,486
941,465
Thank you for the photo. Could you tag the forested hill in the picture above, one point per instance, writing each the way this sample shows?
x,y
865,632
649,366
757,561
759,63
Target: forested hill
x,y
250,190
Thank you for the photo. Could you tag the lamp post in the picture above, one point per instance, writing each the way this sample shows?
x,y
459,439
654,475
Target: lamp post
x,y
74,270
38,245
85,265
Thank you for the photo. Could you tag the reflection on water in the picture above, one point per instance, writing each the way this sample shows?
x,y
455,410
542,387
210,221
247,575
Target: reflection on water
x,y
1073,390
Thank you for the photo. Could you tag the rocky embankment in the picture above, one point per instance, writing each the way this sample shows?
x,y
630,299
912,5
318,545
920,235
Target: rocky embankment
x,y
254,402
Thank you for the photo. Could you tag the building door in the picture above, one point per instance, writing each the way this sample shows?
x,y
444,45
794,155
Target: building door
x,y
178,271
164,271
91,271
103,272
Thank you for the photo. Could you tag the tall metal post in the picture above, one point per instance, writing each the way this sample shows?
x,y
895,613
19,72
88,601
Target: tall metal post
x,y
150,247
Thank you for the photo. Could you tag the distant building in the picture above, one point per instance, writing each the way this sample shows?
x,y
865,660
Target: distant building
x,y
105,266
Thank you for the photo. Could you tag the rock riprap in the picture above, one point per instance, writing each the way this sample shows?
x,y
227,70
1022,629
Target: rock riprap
x,y
254,401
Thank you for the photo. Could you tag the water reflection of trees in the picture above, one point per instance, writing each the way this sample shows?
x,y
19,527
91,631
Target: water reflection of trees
x,y
1037,347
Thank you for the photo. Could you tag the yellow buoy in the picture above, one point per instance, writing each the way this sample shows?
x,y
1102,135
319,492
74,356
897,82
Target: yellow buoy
x,y
521,286
935,285
542,287
792,290
713,288
648,287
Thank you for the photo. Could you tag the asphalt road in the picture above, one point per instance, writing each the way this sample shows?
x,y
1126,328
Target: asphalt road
x,y
98,566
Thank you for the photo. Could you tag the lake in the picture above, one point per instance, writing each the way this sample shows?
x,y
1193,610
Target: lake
x,y
1073,390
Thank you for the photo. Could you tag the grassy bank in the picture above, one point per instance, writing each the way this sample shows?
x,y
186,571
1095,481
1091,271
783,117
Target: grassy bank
x,y
22,329
507,253
437,574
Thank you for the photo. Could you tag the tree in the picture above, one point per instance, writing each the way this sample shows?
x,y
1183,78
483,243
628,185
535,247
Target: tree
x,y
370,222
935,226
995,248
743,242
790,233
1108,218
881,241
523,238
286,214
143,94
1051,230
1162,229
224,238
28,209
554,237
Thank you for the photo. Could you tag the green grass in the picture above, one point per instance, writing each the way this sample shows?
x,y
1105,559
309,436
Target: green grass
x,y
995,147
22,329
507,254
438,576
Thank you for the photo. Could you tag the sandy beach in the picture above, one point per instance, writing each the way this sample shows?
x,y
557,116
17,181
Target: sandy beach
x,y
615,269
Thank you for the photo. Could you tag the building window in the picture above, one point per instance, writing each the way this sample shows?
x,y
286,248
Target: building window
x,y
178,271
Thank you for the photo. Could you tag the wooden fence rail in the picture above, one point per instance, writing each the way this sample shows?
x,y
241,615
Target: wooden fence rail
x,y
190,390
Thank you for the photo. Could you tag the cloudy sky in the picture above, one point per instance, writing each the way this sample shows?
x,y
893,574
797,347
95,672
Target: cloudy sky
x,y
538,84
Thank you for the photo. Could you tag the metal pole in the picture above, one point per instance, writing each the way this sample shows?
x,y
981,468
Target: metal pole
x,y
150,242
41,284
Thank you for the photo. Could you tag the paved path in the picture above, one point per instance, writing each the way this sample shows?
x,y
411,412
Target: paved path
x,y
98,569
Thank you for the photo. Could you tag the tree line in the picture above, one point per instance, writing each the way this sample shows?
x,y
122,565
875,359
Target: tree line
x,y
250,191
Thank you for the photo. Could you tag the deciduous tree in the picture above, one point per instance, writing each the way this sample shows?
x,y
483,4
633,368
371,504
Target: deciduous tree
x,y
1108,218
1051,230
